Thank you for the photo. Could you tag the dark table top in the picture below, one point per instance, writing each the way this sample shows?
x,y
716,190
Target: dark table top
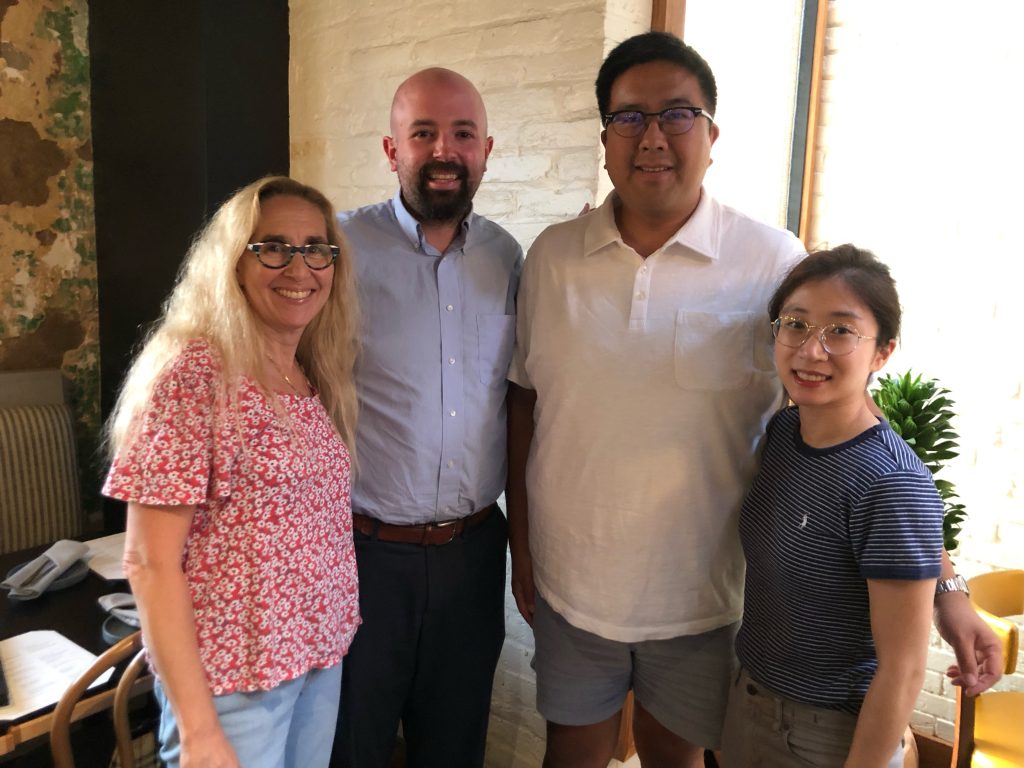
x,y
73,612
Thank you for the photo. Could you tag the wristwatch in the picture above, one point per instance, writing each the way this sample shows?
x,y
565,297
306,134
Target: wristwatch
x,y
956,584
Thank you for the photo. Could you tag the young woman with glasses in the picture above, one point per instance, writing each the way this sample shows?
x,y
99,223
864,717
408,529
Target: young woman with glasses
x,y
232,438
842,532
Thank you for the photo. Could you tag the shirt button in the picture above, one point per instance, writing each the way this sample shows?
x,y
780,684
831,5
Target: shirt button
x,y
451,412
641,295
451,463
451,361
644,269
449,307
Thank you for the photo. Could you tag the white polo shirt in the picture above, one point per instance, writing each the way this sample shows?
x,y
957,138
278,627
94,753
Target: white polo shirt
x,y
654,382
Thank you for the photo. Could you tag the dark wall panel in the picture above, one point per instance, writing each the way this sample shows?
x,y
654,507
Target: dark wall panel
x,y
190,101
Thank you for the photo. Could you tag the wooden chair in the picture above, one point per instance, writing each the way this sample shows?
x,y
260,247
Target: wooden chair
x,y
988,728
60,731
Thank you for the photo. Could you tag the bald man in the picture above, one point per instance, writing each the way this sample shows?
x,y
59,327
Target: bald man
x,y
438,286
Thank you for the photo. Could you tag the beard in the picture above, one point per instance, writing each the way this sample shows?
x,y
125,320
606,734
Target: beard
x,y
440,206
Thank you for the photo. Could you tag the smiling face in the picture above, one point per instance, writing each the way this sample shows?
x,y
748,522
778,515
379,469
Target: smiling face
x,y
657,176
286,300
439,144
813,378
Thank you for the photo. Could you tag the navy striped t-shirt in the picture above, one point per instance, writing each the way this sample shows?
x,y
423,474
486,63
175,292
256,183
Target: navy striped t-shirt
x,y
815,526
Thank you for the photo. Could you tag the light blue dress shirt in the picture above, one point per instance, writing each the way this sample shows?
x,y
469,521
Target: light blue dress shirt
x,y
437,333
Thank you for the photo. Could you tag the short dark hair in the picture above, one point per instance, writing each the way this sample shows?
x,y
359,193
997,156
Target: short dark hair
x,y
861,272
654,46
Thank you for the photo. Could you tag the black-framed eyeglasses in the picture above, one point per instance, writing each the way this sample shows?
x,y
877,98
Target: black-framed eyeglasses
x,y
630,123
836,339
274,255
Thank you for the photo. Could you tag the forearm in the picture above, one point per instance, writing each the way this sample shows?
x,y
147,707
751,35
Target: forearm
x,y
885,713
154,543
953,610
520,436
900,613
168,625
947,571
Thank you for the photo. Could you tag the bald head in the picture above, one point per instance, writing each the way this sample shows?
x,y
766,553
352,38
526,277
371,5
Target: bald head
x,y
433,83
438,144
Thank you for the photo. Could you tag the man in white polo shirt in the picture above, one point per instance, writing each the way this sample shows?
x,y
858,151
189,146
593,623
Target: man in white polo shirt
x,y
643,379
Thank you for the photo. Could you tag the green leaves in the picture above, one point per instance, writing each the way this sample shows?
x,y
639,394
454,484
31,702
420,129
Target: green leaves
x,y
919,411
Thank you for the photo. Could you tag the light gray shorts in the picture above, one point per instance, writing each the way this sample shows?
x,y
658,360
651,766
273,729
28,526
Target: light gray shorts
x,y
762,728
683,682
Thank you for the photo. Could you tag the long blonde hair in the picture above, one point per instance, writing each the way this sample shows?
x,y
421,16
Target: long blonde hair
x,y
208,303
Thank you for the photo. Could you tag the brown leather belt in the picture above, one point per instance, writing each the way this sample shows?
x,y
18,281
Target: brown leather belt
x,y
429,534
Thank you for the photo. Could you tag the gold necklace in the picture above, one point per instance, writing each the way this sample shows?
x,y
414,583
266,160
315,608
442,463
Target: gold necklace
x,y
284,376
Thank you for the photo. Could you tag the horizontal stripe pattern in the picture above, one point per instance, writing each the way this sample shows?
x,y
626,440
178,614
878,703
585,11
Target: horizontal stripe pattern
x,y
39,493
815,526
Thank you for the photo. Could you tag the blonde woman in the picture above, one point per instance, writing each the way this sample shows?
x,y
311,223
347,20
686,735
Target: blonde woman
x,y
232,440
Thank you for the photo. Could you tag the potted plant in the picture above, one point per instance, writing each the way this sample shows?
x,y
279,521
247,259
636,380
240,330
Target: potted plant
x,y
921,413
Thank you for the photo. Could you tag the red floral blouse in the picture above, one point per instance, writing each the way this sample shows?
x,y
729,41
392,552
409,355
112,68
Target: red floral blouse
x,y
269,558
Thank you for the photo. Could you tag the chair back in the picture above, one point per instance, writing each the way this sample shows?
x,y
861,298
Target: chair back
x,y
39,494
988,727
60,731
122,726
996,595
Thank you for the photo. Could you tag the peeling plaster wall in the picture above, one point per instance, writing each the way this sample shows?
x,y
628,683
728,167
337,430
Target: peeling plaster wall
x,y
48,298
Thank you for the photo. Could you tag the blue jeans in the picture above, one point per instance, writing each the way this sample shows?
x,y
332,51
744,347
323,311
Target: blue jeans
x,y
290,726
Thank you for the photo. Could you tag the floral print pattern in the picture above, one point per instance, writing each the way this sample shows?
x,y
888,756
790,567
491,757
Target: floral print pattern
x,y
269,557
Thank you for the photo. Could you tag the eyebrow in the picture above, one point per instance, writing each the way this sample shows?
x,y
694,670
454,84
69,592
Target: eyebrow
x,y
841,314
424,123
273,238
667,104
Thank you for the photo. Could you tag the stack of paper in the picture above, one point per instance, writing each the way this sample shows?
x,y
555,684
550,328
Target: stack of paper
x,y
39,667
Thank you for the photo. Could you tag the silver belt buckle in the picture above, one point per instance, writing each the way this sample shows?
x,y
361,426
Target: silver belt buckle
x,y
448,524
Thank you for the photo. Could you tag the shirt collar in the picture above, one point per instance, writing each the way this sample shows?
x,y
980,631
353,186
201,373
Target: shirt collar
x,y
414,232
698,236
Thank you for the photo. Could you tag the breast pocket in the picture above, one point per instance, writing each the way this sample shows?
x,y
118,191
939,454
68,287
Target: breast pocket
x,y
495,337
714,350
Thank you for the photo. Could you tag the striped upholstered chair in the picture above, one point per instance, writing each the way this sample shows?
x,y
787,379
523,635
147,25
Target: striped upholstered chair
x,y
39,492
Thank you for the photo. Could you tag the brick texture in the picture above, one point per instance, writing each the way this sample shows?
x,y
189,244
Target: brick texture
x,y
533,62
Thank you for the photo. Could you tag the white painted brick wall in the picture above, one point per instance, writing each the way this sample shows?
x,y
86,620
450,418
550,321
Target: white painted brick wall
x,y
534,62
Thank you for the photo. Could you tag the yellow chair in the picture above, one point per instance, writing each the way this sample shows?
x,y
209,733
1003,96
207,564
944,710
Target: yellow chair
x,y
60,731
990,727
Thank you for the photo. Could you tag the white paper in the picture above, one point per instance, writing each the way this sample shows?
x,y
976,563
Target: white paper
x,y
105,556
39,667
